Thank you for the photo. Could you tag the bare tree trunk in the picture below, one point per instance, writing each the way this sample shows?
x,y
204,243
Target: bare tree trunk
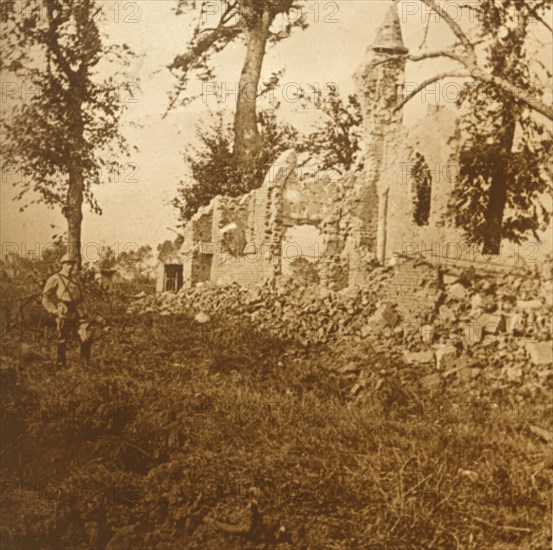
x,y
73,211
75,192
497,196
246,133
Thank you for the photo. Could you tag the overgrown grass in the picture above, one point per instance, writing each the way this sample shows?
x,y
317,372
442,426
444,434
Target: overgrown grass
x,y
177,423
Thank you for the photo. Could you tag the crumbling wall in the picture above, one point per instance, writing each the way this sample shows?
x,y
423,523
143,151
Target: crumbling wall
x,y
196,249
379,81
351,232
431,142
239,239
247,239
415,290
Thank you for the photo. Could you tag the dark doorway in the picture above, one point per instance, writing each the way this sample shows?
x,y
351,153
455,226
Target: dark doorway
x,y
173,277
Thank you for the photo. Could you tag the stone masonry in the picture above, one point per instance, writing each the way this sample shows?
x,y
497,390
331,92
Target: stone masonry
x,y
394,205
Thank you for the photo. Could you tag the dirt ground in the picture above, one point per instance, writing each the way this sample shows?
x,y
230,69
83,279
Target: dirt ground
x,y
181,437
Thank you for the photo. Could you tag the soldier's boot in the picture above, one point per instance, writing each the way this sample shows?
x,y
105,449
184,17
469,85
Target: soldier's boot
x,y
86,351
61,360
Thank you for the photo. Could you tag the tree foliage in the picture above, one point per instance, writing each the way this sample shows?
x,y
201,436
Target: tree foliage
x,y
216,171
336,141
219,24
510,17
62,138
136,263
504,149
168,249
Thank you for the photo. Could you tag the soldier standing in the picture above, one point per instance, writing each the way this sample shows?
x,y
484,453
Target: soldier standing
x,y
63,297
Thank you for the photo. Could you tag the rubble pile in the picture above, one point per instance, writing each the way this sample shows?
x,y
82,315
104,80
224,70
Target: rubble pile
x,y
499,317
286,307
490,335
479,319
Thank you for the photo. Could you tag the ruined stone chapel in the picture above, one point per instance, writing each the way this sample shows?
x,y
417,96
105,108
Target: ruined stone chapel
x,y
337,229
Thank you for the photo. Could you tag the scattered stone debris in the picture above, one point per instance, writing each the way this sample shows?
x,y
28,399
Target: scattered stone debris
x,y
202,318
383,317
541,353
466,328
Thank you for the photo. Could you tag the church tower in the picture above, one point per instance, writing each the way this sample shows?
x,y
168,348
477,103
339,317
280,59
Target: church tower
x,y
380,82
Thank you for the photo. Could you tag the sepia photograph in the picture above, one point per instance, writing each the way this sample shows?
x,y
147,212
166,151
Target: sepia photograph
x,y
276,274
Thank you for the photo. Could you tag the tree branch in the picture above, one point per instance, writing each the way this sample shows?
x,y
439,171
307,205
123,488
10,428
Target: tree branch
x,y
454,26
53,23
203,43
425,36
423,85
470,62
438,53
534,13
227,15
518,93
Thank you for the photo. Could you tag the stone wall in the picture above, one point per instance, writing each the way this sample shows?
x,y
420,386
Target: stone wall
x,y
415,291
375,212
245,239
432,141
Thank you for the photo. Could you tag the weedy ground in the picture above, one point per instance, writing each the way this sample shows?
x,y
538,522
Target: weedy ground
x,y
176,429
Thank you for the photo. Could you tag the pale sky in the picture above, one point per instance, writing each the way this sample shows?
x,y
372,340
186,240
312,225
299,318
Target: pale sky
x,y
329,51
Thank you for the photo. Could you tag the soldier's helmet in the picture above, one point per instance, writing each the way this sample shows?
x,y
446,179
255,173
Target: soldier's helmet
x,y
68,259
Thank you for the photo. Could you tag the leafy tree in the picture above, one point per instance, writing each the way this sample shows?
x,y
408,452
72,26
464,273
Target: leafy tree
x,y
495,16
504,150
167,249
107,258
336,141
136,264
60,140
216,171
251,22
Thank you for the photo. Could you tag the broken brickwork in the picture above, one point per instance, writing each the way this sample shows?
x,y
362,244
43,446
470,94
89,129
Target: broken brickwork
x,y
415,290
410,170
244,239
393,203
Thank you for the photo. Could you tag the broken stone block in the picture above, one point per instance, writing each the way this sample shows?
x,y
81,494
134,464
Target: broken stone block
x,y
431,381
491,324
515,323
418,357
529,305
202,318
450,279
487,285
446,356
383,317
512,373
473,333
457,292
476,301
486,303
446,314
427,333
541,353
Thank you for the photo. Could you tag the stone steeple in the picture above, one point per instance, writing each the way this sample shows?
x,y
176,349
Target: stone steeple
x,y
379,82
381,78
389,39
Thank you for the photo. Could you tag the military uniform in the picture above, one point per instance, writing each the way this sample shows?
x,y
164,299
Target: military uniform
x,y
63,297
